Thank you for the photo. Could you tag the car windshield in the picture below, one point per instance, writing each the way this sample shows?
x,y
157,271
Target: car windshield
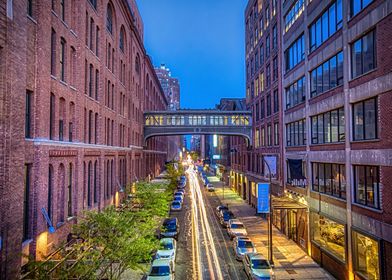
x,y
237,226
260,264
245,244
176,203
177,198
160,271
227,214
166,246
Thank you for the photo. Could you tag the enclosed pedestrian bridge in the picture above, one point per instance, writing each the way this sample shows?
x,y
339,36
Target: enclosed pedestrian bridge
x,y
183,122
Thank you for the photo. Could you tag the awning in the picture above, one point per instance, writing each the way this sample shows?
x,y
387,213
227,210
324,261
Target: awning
x,y
285,202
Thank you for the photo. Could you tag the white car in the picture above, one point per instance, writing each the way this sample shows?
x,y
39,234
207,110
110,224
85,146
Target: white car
x,y
161,269
236,228
257,267
210,187
241,246
167,249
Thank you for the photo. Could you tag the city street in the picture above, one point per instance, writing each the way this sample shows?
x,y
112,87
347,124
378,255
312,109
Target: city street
x,y
204,248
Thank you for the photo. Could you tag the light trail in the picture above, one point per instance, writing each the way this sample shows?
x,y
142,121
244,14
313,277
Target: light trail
x,y
197,274
199,211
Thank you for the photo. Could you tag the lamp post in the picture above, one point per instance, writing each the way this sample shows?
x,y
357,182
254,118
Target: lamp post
x,y
270,250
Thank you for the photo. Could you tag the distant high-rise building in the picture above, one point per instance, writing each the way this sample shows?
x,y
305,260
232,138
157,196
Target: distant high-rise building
x,y
170,86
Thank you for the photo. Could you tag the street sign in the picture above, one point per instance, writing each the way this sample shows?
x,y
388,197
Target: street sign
x,y
263,198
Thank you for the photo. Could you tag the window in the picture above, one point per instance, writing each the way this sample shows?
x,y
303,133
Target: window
x,y
268,105
295,53
257,138
28,116
50,192
267,46
62,59
95,195
52,116
26,202
262,137
62,9
256,61
363,55
29,8
90,81
276,134
359,5
327,75
137,64
122,39
269,135
69,193
295,93
257,112
326,25
328,127
97,41
365,120
53,53
96,83
109,18
293,14
261,55
89,175
93,3
91,41
296,133
90,127
276,101
329,235
275,68
329,178
262,109
367,185
268,76
366,251
274,37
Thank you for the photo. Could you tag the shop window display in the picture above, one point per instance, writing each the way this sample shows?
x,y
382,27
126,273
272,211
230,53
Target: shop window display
x,y
366,256
329,235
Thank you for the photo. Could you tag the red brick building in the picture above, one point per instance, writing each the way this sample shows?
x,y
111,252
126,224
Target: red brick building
x,y
338,93
75,80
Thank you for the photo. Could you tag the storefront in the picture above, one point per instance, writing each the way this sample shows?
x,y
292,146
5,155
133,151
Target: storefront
x,y
329,244
290,217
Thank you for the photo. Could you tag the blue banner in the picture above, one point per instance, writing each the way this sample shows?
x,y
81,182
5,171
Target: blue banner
x,y
263,198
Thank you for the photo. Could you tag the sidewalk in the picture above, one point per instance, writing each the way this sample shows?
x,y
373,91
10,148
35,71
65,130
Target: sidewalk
x,y
291,262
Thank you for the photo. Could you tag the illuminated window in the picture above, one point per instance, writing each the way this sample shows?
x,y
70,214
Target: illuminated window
x,y
329,235
366,253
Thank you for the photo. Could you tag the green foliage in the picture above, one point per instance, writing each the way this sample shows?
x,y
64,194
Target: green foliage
x,y
114,239
194,156
173,171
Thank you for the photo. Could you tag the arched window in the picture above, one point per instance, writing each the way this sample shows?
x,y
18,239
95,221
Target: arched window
x,y
50,192
95,182
89,184
109,18
122,38
69,193
137,64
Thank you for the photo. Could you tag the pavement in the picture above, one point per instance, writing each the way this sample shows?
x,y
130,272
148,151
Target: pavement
x,y
290,261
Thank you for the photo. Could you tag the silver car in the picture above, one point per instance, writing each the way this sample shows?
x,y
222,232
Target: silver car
x,y
257,267
242,246
236,228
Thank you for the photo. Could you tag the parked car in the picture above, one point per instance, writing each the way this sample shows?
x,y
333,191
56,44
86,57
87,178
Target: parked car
x,y
170,228
167,249
241,246
236,228
179,193
225,216
161,269
257,267
176,206
210,187
178,198
220,208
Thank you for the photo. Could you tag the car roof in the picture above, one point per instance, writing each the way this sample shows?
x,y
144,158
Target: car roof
x,y
256,256
161,262
166,240
170,220
235,221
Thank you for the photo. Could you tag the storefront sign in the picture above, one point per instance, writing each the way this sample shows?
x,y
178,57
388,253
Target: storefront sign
x,y
216,156
263,198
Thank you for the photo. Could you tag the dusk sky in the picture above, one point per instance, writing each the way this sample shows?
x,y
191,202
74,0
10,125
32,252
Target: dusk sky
x,y
202,42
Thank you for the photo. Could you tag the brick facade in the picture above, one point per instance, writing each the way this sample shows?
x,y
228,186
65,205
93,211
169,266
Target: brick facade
x,y
88,88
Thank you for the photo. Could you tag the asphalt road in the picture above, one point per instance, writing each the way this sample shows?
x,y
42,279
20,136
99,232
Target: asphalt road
x,y
204,250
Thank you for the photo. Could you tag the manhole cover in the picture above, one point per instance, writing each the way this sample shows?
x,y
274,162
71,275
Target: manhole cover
x,y
291,271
